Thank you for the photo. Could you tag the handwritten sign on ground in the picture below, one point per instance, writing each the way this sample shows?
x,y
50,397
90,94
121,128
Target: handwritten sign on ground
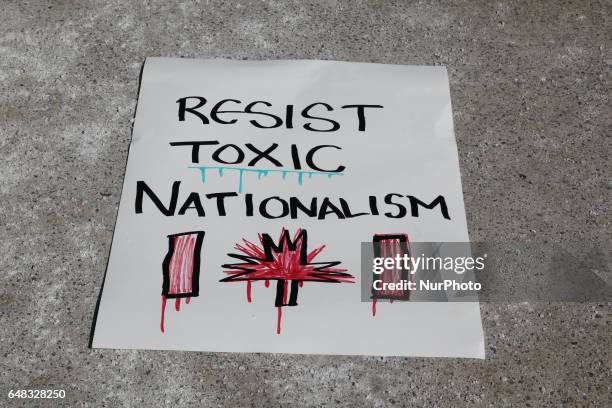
x,y
250,186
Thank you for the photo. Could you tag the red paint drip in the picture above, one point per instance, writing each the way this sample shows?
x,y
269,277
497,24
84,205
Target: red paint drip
x,y
177,304
267,283
163,313
249,291
187,300
301,284
374,308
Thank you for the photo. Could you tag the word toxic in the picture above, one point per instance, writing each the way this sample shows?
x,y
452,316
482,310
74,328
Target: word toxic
x,y
249,155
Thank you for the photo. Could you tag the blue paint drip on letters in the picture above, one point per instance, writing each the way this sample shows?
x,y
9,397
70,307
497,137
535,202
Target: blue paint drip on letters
x,y
261,172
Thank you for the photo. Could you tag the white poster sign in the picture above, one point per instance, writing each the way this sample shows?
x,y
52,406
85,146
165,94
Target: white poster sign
x,y
250,186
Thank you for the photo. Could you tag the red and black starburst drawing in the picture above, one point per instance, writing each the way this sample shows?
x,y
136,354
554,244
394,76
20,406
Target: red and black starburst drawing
x,y
287,261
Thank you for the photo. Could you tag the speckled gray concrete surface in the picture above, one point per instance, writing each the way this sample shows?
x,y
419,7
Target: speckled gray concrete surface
x,y
530,83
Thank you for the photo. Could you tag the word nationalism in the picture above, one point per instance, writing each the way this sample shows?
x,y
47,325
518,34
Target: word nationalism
x,y
392,205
